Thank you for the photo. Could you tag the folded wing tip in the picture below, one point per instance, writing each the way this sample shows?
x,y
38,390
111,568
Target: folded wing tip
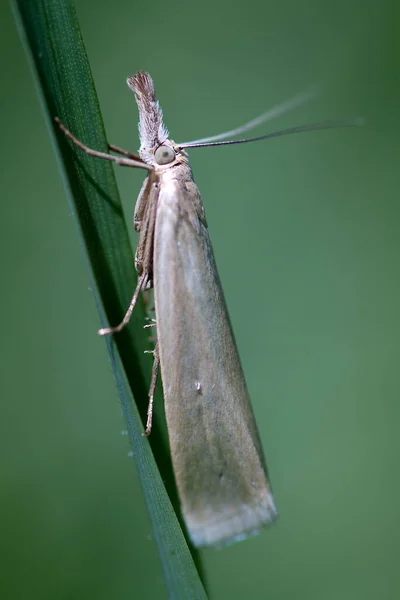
x,y
247,522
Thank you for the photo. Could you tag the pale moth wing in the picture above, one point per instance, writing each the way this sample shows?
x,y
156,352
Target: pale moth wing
x,y
216,453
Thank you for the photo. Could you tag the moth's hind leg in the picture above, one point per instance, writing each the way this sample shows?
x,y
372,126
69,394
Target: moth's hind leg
x,y
154,375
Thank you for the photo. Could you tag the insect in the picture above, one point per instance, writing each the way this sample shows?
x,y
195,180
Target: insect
x,y
217,457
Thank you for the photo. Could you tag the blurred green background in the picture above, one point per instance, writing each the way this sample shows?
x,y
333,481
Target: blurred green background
x,y
305,232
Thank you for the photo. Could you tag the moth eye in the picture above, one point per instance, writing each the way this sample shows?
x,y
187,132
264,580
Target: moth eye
x,y
164,155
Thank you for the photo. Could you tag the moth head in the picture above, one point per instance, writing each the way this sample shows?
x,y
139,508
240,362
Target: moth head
x,y
155,146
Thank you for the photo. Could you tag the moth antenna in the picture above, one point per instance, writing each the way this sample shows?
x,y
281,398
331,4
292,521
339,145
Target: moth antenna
x,y
269,115
323,125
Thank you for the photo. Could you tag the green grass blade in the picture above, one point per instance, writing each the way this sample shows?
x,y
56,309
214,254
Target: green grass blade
x,y
51,35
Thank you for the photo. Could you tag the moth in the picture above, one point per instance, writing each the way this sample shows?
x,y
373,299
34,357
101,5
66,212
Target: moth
x,y
216,452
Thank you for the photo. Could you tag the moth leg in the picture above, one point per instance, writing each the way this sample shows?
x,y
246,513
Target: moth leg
x,y
140,285
152,389
119,150
124,162
152,324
